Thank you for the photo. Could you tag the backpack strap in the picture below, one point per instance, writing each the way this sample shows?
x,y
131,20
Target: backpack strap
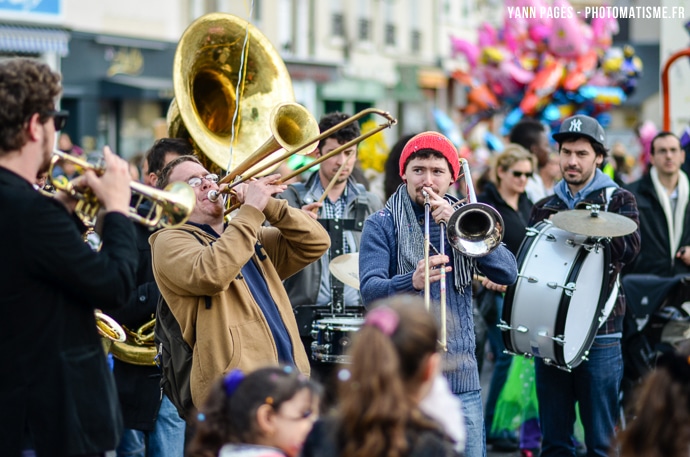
x,y
207,298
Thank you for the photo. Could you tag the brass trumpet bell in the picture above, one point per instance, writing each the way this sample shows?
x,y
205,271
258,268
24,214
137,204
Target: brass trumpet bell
x,y
475,229
210,73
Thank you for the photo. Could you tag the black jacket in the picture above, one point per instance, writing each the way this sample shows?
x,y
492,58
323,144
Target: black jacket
x,y
138,387
514,222
655,251
54,378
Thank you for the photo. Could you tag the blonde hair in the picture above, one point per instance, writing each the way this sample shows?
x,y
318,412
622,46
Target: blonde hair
x,y
512,154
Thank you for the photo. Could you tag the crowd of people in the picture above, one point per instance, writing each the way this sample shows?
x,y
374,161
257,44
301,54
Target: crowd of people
x,y
273,355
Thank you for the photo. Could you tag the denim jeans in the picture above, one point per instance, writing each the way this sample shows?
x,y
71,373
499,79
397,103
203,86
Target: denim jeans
x,y
501,365
474,422
595,385
166,439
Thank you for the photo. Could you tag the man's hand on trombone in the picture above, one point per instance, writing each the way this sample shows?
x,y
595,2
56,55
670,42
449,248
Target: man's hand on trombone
x,y
441,210
312,209
435,262
257,192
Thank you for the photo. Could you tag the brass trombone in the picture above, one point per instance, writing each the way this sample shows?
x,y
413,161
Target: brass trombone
x,y
213,195
474,230
170,207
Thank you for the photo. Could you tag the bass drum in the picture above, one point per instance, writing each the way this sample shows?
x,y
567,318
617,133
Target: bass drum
x,y
559,300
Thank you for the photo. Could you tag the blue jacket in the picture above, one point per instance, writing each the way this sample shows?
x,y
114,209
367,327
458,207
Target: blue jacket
x,y
378,279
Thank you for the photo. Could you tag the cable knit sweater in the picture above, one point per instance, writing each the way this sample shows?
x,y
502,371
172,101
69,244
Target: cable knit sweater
x,y
378,279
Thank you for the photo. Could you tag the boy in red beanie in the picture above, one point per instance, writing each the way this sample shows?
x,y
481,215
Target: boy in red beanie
x,y
391,261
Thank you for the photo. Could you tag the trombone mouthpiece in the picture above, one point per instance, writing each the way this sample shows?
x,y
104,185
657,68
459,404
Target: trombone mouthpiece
x,y
213,195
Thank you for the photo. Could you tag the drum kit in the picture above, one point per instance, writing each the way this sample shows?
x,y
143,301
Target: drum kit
x,y
562,296
333,335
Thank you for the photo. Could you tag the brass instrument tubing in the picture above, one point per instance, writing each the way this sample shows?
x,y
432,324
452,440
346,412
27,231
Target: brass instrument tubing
x,y
427,286
213,195
332,183
442,284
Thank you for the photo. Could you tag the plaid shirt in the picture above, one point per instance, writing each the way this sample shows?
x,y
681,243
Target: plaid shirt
x,y
334,210
624,249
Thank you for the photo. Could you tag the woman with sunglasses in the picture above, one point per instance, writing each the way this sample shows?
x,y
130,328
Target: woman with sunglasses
x,y
510,172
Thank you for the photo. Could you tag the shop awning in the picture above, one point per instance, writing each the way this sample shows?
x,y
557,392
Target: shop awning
x,y
23,39
137,87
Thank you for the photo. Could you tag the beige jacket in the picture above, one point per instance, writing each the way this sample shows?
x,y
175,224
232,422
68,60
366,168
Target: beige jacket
x,y
234,333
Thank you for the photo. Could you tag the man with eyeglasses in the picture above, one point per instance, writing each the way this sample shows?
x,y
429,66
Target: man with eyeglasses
x,y
662,199
153,427
223,281
57,395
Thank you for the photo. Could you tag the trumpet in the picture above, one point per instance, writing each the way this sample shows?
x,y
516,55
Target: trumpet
x,y
169,207
213,195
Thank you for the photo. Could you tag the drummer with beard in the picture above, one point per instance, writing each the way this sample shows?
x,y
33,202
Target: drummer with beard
x,y
392,262
593,384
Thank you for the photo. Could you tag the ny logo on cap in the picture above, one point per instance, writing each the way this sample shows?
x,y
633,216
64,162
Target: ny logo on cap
x,y
575,125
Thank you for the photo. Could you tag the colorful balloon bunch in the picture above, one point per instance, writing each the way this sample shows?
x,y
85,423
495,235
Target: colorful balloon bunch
x,y
545,65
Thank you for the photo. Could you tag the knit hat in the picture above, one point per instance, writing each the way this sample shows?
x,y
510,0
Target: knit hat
x,y
435,141
583,126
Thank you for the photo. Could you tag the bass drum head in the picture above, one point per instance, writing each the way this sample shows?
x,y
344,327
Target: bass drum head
x,y
579,317
540,309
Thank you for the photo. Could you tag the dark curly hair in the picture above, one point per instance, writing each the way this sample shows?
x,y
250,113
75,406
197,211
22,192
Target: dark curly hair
x,y
342,136
231,417
27,87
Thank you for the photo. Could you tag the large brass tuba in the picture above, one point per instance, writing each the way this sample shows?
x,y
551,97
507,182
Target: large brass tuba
x,y
212,76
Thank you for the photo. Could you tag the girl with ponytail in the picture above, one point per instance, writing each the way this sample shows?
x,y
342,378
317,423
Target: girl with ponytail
x,y
395,362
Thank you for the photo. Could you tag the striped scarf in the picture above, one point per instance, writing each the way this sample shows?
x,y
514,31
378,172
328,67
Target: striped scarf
x,y
411,248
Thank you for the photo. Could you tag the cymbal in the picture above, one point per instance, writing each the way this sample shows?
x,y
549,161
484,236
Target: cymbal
x,y
346,268
594,223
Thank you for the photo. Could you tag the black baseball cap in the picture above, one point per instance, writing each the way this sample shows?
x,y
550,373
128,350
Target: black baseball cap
x,y
583,126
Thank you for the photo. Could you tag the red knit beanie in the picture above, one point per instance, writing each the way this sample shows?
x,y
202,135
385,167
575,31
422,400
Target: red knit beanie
x,y
435,141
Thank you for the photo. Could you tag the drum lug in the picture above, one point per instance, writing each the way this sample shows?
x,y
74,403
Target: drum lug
x,y
568,288
585,357
502,325
530,279
522,329
560,339
551,363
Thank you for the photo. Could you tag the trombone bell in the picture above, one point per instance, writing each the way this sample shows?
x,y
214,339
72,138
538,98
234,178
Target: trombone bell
x,y
475,229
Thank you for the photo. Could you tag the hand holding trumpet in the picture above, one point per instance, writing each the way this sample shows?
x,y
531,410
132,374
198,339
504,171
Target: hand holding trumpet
x,y
111,187
435,271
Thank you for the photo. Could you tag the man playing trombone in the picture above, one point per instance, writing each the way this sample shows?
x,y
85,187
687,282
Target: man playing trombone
x,y
392,261
57,395
222,282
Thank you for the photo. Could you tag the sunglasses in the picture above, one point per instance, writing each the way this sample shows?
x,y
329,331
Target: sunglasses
x,y
526,174
59,118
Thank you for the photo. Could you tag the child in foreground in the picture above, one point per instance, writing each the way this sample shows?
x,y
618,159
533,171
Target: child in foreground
x,y
266,413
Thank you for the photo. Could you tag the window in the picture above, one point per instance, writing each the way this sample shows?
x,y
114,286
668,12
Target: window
x,y
364,30
415,41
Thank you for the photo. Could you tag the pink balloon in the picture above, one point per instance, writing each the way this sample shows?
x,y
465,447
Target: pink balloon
x,y
464,47
566,38
487,35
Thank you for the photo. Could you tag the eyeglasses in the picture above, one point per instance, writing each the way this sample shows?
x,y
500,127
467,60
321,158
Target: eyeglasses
x,y
526,174
59,118
197,180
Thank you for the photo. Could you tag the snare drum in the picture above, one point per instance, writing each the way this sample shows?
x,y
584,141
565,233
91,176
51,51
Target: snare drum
x,y
556,305
332,337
